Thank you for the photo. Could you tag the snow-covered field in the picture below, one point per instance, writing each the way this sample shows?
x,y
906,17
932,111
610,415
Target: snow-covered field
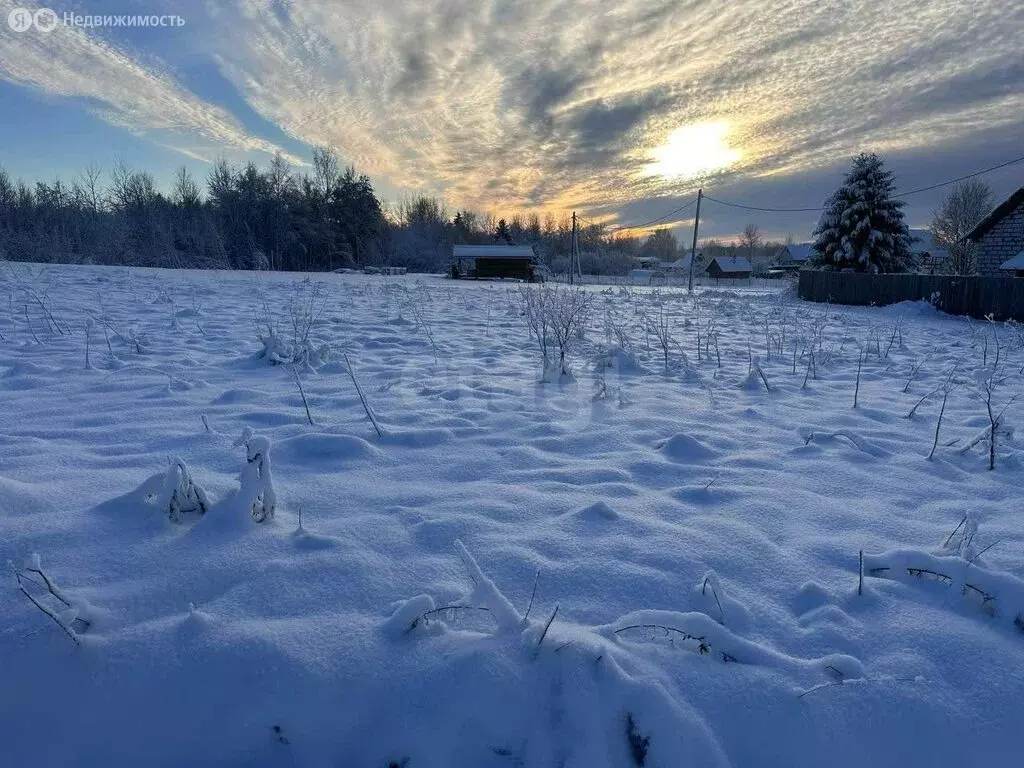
x,y
697,533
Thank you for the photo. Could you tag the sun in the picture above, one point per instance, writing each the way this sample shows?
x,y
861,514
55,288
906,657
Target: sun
x,y
692,151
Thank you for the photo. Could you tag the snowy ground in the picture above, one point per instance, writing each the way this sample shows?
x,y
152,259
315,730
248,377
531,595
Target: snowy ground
x,y
722,521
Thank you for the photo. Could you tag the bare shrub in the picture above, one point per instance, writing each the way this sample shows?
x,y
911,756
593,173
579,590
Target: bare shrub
x,y
287,333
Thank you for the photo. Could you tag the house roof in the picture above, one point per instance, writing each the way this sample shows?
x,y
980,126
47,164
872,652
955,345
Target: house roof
x,y
1016,263
683,263
1001,211
732,264
493,252
924,242
798,251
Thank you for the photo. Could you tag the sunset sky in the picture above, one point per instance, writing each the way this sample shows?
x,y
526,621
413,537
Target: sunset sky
x,y
618,109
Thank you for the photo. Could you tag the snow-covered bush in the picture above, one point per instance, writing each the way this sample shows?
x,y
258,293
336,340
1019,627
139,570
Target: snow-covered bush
x,y
557,318
420,611
755,376
181,495
988,382
957,564
256,494
659,324
287,335
532,305
590,675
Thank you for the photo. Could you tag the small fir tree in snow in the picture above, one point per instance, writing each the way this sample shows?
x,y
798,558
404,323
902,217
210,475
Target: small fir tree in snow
x,y
502,233
862,227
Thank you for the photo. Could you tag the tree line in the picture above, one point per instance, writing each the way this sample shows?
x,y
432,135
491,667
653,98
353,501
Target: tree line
x,y
274,217
243,218
248,217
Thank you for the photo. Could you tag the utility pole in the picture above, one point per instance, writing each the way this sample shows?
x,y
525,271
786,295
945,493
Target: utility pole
x,y
693,246
573,256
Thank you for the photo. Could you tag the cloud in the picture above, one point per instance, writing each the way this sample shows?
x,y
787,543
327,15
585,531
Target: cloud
x,y
122,89
557,103
553,102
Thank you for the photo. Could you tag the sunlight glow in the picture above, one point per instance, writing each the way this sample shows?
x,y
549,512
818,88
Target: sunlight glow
x,y
692,151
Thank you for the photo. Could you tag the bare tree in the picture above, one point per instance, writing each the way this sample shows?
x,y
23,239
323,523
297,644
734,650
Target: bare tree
x,y
962,207
750,239
89,184
185,192
750,242
326,169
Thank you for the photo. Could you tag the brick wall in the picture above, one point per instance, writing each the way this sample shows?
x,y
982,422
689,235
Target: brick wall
x,y
1004,241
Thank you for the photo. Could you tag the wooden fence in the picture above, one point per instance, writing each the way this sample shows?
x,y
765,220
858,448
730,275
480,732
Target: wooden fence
x,y
679,281
1001,297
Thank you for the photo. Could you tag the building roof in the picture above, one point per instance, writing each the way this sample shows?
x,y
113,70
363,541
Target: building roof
x,y
646,260
1016,263
731,264
924,242
683,263
493,252
798,251
1001,211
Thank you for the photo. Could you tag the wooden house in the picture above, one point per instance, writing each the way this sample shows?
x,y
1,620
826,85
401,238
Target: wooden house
x,y
729,268
477,262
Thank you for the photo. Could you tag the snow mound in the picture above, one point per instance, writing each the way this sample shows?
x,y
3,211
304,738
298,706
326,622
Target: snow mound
x,y
235,396
418,438
620,361
320,448
547,692
842,436
684,448
530,693
712,596
582,706
487,594
997,595
407,616
701,634
305,540
598,511
811,596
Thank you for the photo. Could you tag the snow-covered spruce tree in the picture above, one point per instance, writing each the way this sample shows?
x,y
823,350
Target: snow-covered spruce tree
x,y
862,227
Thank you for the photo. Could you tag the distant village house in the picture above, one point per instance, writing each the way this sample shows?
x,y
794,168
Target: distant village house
x,y
476,262
929,256
790,258
729,268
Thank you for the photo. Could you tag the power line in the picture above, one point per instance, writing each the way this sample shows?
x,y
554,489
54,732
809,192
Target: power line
x,y
680,209
808,210
961,178
755,208
901,194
